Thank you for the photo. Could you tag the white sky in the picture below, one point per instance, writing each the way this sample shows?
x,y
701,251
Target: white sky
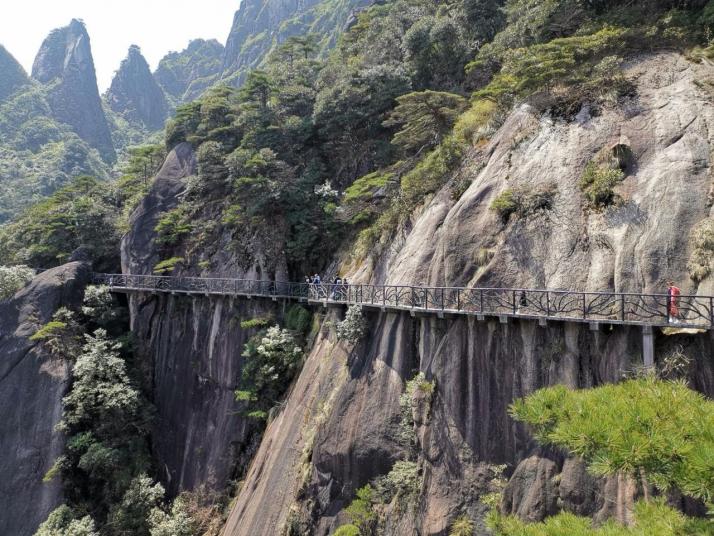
x,y
157,26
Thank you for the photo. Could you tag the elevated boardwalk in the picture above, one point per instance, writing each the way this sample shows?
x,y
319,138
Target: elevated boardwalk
x,y
595,308
648,311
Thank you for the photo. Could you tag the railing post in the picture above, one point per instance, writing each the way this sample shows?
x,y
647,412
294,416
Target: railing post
x,y
711,312
442,298
584,312
515,308
481,300
622,307
458,299
547,303
426,298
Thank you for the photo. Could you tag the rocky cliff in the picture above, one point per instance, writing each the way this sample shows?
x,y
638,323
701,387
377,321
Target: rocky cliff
x,y
65,66
191,348
185,75
12,75
32,384
303,477
135,95
259,24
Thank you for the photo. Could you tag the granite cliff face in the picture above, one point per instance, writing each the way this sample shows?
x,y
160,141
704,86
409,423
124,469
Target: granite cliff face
x,y
135,95
185,75
191,349
12,77
480,367
65,66
32,384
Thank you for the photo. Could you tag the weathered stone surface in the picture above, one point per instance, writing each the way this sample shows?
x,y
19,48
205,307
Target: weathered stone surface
x,y
32,385
532,492
139,252
65,65
579,491
135,95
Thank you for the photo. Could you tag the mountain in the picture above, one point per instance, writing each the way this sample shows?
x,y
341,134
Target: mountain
x,y
443,155
260,25
185,75
135,94
64,65
13,76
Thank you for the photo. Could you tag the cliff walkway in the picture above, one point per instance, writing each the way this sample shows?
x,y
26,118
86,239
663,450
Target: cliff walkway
x,y
648,310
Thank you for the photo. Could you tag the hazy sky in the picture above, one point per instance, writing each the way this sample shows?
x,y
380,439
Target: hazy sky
x,y
157,26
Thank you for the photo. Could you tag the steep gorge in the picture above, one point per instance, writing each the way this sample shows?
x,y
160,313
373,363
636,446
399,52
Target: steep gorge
x,y
338,429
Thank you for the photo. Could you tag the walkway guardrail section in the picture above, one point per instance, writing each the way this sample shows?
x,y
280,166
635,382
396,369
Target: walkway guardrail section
x,y
607,307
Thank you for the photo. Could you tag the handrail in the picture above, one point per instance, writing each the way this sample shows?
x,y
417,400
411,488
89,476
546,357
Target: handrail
x,y
594,307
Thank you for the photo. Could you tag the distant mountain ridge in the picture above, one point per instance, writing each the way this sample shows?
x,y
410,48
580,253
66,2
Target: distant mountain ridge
x,y
55,125
135,93
65,66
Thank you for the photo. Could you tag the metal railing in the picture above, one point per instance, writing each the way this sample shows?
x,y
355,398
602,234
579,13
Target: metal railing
x,y
603,307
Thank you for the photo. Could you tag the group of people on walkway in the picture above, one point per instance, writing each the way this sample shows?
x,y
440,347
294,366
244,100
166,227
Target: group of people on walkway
x,y
337,286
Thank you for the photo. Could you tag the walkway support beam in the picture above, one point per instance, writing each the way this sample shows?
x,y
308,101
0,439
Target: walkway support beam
x,y
648,346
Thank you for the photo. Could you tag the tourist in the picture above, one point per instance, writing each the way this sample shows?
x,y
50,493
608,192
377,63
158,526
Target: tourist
x,y
673,294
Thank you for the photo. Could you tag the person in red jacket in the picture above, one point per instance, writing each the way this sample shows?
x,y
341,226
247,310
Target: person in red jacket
x,y
673,293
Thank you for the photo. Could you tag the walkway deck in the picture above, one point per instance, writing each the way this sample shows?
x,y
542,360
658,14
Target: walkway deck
x,y
648,310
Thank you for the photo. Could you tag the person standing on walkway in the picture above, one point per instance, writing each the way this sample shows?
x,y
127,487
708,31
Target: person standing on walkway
x,y
673,293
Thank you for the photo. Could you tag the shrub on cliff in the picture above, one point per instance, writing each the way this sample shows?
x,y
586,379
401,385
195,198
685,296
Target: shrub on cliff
x,y
598,183
12,279
63,522
353,327
271,361
702,256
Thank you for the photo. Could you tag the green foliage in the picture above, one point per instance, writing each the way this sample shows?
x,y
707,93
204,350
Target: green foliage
x,y
365,187
523,202
432,172
598,183
402,483
298,319
169,265
258,322
354,327
173,226
417,387
271,361
476,122
12,279
80,214
106,422
650,518
63,522
702,241
424,118
659,428
62,336
38,155
462,526
131,514
348,530
176,522
183,125
142,163
99,305
361,511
